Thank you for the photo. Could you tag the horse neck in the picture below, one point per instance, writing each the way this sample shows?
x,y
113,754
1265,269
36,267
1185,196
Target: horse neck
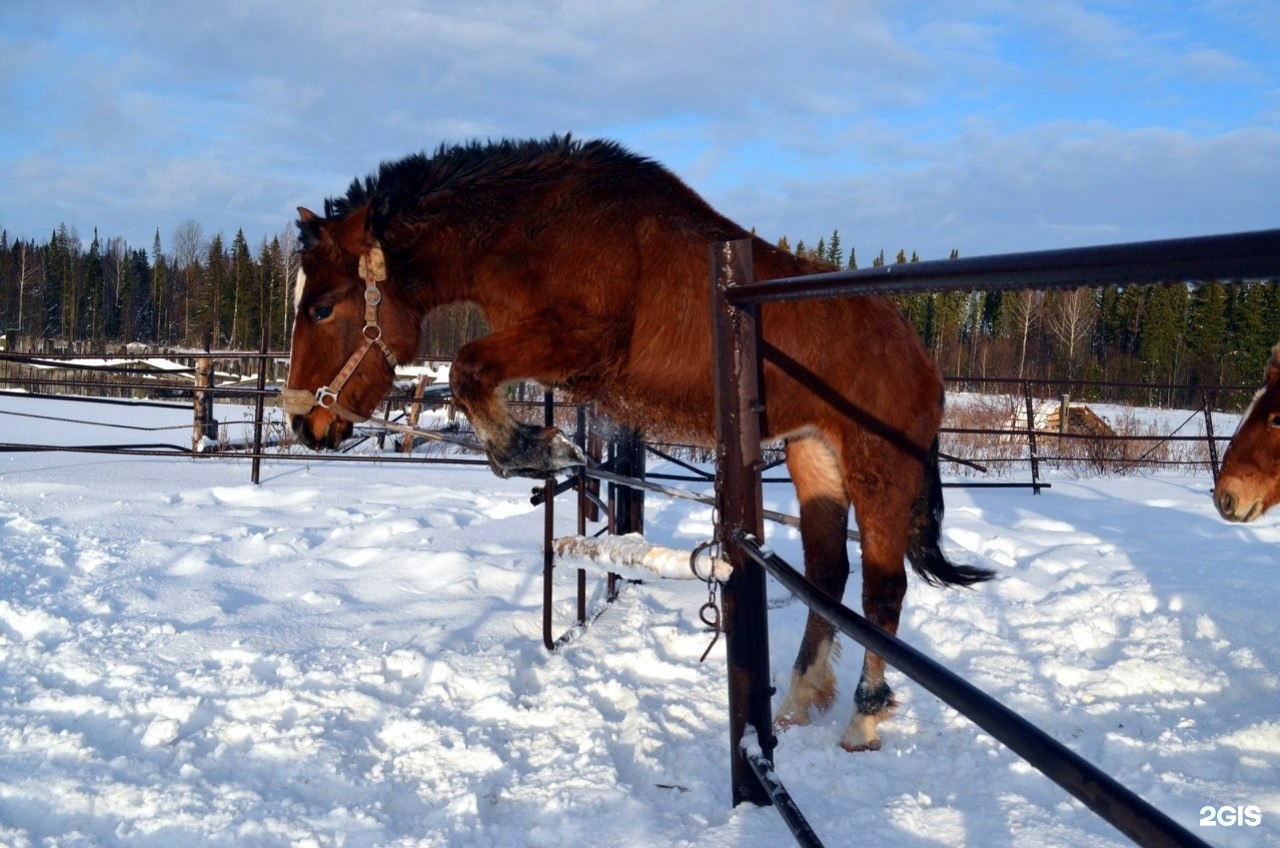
x,y
445,262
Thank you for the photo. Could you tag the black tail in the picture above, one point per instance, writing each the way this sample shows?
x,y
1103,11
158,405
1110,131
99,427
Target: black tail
x,y
923,545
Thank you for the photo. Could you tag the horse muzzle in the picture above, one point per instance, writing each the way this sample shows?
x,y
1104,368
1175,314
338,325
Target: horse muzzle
x,y
1233,508
312,421
314,432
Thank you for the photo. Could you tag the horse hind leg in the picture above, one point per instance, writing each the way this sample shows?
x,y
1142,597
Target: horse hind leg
x,y
883,512
824,520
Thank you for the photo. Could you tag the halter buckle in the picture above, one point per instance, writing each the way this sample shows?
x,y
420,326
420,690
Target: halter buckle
x,y
325,398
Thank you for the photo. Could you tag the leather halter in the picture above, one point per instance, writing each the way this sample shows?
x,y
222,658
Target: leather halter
x,y
373,270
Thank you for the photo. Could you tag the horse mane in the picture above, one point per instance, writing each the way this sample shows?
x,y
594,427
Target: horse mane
x,y
405,184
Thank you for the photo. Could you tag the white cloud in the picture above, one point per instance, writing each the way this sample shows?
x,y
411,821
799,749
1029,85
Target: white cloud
x,y
1059,186
937,126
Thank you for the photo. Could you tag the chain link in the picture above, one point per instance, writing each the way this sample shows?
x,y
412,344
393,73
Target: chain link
x,y
709,613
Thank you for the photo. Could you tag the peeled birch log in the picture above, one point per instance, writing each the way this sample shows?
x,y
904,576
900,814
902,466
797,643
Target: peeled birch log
x,y
633,556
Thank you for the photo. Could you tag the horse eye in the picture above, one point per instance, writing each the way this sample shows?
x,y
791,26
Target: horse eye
x,y
1274,420
320,313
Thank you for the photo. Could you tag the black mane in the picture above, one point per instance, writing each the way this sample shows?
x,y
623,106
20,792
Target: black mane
x,y
399,186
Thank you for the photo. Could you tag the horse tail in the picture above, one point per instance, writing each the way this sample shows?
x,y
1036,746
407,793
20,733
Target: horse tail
x,y
924,549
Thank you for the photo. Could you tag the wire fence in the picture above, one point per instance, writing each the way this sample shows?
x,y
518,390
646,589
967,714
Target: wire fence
x,y
1000,432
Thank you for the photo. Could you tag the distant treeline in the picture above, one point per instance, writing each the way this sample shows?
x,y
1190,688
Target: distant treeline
x,y
191,290
195,290
1209,334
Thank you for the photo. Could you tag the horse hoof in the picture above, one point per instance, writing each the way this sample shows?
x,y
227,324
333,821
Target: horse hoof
x,y
537,452
861,734
786,720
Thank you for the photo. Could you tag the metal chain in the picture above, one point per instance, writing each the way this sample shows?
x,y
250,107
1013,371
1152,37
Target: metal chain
x,y
709,612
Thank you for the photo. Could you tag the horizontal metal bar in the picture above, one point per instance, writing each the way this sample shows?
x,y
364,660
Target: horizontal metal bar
x,y
1115,803
980,485
769,515
778,794
186,453
150,404
1239,256
1087,437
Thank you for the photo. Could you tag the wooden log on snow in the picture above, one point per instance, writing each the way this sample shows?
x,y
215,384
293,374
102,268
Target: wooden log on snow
x,y
633,556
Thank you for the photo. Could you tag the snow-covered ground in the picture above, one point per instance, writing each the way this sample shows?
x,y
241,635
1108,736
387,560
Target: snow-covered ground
x,y
351,655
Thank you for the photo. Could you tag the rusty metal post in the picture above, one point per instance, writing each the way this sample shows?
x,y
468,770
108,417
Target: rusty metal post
x,y
1207,402
548,536
1031,438
738,409
627,451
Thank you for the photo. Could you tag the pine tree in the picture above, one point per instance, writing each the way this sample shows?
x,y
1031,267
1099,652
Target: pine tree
x,y
51,289
212,316
835,255
95,318
245,311
142,310
274,293
71,284
1162,340
1253,337
1207,332
160,329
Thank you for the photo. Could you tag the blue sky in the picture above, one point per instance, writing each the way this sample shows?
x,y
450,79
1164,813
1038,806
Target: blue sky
x,y
987,126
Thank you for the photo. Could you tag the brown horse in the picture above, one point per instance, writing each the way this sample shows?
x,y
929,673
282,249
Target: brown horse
x,y
591,267
1249,483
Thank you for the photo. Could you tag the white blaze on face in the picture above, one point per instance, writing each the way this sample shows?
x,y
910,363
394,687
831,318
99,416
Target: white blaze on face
x,y
298,285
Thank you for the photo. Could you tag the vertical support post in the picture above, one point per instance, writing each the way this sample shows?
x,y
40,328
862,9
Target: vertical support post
x,y
415,412
628,503
548,536
1031,438
735,339
259,403
205,426
1206,400
628,453
580,438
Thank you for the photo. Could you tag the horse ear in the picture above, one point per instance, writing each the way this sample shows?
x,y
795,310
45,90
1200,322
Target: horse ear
x,y
1273,367
308,224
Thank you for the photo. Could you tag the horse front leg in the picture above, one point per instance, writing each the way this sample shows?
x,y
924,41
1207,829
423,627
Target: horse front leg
x,y
542,348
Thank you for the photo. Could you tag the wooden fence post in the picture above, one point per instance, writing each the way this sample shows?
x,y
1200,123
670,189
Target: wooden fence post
x,y
415,412
205,426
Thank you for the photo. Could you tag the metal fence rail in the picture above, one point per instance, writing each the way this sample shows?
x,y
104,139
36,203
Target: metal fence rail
x,y
738,358
1101,793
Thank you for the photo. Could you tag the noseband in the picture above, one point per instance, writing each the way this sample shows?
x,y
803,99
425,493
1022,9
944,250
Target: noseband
x,y
373,270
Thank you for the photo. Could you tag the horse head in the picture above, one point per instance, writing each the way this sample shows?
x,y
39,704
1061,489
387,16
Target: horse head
x,y
1249,484
350,329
